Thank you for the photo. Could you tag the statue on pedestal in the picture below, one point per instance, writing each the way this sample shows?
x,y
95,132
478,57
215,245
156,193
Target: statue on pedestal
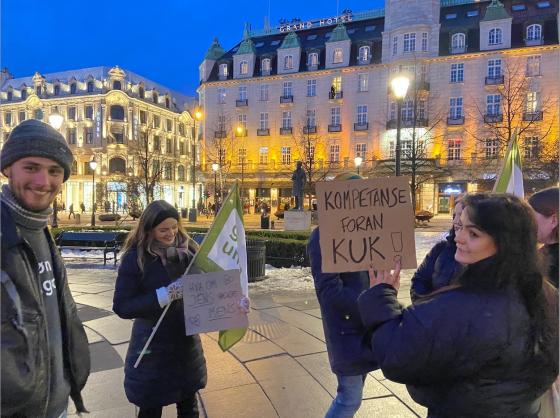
x,y
298,185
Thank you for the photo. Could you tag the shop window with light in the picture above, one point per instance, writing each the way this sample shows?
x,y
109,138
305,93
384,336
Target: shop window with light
x,y
531,145
311,88
363,81
334,153
337,56
263,155
223,70
454,149
534,32
534,65
71,136
493,104
72,113
409,42
286,155
363,54
116,112
221,95
88,133
313,59
73,88
495,36
455,107
263,93
56,90
243,68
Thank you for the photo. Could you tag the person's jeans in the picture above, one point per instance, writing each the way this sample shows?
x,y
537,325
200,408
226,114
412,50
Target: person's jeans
x,y
348,396
187,408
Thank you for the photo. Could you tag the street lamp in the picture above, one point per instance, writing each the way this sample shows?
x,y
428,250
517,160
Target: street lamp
x,y
240,132
55,120
192,212
93,166
215,168
358,162
399,85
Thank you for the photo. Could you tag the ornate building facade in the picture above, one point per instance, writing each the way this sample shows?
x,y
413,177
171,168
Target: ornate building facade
x,y
319,91
127,123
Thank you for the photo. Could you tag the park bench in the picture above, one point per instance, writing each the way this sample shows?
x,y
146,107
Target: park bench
x,y
109,242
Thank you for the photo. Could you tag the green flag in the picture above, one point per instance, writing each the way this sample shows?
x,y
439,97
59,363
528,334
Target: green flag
x,y
224,248
510,179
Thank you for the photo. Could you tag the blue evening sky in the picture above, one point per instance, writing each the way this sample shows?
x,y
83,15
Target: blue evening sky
x,y
163,40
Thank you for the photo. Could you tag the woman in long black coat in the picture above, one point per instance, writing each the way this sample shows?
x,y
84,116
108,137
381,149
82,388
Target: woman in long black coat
x,y
486,346
157,253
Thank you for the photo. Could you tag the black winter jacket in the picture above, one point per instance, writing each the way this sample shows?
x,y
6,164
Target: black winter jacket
x,y
174,367
338,298
462,353
25,345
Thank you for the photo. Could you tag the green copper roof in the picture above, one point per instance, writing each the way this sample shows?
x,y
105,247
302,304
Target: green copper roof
x,y
246,46
290,41
495,11
339,34
215,51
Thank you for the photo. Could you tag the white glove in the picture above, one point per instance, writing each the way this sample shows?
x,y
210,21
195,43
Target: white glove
x,y
168,294
245,304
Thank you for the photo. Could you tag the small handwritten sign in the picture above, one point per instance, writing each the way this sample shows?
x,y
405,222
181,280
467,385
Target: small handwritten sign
x,y
365,222
211,302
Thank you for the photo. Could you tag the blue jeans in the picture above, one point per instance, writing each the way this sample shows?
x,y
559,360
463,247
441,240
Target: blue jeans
x,y
348,396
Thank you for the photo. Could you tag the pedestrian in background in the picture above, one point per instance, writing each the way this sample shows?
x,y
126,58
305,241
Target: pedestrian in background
x,y
545,206
83,207
439,266
156,254
44,350
348,356
487,346
71,211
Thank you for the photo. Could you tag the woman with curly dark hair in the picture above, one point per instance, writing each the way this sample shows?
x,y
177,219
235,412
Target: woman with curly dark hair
x,y
486,346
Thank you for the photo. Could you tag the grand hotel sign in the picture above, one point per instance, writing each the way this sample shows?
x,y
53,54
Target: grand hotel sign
x,y
296,24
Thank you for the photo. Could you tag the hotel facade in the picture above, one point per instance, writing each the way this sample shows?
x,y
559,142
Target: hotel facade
x,y
120,119
319,91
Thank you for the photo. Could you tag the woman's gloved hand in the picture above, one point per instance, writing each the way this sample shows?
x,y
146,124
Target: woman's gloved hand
x,y
245,304
175,290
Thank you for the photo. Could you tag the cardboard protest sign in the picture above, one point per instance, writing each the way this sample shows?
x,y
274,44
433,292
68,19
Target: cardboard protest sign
x,y
211,302
365,222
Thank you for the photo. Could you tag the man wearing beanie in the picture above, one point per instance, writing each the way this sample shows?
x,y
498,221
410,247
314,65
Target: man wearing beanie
x,y
45,355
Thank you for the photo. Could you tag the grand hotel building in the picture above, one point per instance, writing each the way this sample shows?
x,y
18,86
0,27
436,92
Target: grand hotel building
x,y
327,81
107,113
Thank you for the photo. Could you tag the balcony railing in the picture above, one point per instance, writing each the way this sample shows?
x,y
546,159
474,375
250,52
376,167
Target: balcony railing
x,y
532,116
493,118
310,129
241,102
263,132
335,128
361,126
494,80
407,123
240,132
312,67
335,95
286,131
534,42
286,99
265,72
219,134
458,49
456,120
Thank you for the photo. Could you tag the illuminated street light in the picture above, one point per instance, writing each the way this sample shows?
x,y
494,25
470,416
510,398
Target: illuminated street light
x,y
399,86
215,168
358,162
93,166
56,119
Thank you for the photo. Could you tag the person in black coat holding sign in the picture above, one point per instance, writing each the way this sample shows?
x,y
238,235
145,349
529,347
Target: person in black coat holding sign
x,y
485,347
157,252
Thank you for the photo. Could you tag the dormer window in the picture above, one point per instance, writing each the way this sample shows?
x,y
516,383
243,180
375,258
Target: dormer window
x,y
116,85
155,97
265,65
313,59
337,56
364,54
56,90
167,103
24,94
141,92
243,68
495,36
288,62
458,43
90,86
73,88
10,96
223,70
534,32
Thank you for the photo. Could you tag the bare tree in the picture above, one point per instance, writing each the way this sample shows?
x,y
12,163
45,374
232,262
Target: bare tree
x,y
219,147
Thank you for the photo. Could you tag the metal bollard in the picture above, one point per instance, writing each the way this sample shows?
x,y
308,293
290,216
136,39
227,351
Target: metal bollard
x,y
271,224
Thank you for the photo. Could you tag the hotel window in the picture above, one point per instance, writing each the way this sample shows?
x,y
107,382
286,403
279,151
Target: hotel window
x,y
286,119
409,44
117,112
21,116
531,102
221,95
91,85
182,148
89,112
531,147
263,121
311,121
169,125
72,112
242,120
241,155
71,135
56,90
495,36
363,81
494,68
264,93
334,153
534,65
242,91
157,143
361,150
407,110
337,56
168,171
311,88
491,148
8,118
223,70
181,173
263,155
243,68
424,41
181,129
143,117
288,62
335,116
265,65
286,155
395,44
287,89
534,32
454,149
155,121
363,54
73,88
89,135
361,114
493,102
337,84
455,107
169,146
458,41
313,59
23,94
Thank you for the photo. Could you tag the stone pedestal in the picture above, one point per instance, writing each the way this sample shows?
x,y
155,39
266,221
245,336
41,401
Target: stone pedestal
x,y
297,220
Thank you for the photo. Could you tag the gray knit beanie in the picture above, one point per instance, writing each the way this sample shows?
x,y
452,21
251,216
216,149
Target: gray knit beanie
x,y
33,138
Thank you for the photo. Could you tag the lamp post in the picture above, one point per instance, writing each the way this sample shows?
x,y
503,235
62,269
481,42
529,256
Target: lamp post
x,y
358,162
197,119
240,133
55,120
93,166
215,168
399,85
